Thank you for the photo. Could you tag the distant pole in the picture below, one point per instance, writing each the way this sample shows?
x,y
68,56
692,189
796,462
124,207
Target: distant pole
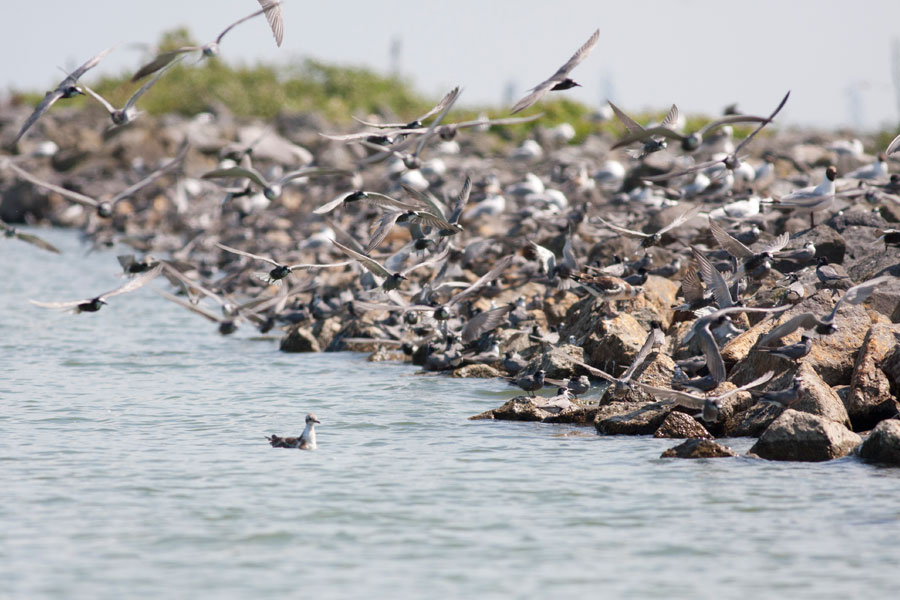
x,y
854,105
509,93
895,71
396,53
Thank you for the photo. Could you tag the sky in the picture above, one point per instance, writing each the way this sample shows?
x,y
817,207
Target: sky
x,y
834,56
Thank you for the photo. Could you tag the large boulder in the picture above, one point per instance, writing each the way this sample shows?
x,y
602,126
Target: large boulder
x,y
299,339
870,399
520,408
800,436
816,397
607,342
639,421
883,444
753,421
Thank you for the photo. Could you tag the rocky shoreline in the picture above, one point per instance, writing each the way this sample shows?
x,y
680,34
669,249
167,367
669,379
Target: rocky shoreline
x,y
545,191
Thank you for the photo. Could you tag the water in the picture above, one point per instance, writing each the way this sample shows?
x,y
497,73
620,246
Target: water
x,y
134,464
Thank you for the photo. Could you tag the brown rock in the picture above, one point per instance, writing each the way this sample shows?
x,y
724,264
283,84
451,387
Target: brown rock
x,y
606,342
299,339
801,436
382,354
753,421
817,397
883,444
870,399
520,408
557,363
641,421
698,448
476,371
679,425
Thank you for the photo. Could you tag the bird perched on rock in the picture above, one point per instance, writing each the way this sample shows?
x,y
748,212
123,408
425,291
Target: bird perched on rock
x,y
530,383
792,352
306,441
832,277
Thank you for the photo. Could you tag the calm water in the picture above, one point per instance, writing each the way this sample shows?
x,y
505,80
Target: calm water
x,y
133,465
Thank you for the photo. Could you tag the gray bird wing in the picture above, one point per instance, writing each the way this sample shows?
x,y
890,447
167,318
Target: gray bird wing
x,y
143,89
805,320
427,263
248,172
714,280
777,244
893,146
484,322
248,254
371,265
545,256
858,293
106,104
691,286
641,356
71,195
643,134
495,271
275,17
161,61
382,228
674,396
169,166
758,381
133,284
630,124
671,117
266,9
753,133
729,243
682,218
728,120
43,106
714,361
623,230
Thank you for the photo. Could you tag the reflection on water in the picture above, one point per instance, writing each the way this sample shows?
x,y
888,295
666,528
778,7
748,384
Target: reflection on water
x,y
135,465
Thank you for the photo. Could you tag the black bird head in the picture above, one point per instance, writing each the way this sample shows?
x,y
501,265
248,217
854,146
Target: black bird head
x,y
565,84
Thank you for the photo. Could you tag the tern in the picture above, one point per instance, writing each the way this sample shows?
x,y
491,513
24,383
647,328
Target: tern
x,y
67,88
128,113
96,303
651,239
11,232
710,405
811,199
280,271
559,80
271,189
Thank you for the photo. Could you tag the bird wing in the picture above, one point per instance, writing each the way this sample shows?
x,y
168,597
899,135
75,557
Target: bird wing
x,y
714,361
671,117
683,217
427,263
72,195
639,136
169,166
758,381
161,61
109,107
248,254
133,284
386,202
777,244
265,9
248,172
448,99
579,56
753,133
275,17
36,241
312,172
89,64
492,122
371,265
858,293
533,96
805,320
595,371
624,231
691,286
461,200
491,275
714,280
729,243
728,120
674,396
43,106
893,146
143,89
545,256
641,356
630,124
383,227
484,322
208,314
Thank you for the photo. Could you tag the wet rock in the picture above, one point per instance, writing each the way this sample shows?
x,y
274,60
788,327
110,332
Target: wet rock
x,y
299,339
641,421
753,421
699,448
870,399
679,425
476,371
800,436
382,354
883,444
575,414
520,408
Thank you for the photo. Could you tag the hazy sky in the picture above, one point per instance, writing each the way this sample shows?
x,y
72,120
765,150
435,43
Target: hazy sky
x,y
835,56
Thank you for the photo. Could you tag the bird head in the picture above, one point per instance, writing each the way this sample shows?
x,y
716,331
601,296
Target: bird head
x,y
831,173
311,418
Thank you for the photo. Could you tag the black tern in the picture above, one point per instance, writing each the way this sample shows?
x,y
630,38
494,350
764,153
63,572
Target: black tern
x,y
67,88
530,383
391,280
129,112
651,143
710,405
11,232
306,441
830,276
280,271
210,49
272,189
375,198
792,352
781,397
96,303
559,80
652,239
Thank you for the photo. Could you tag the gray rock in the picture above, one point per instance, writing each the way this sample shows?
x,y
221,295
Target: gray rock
x,y
476,371
679,425
520,408
829,243
753,421
557,362
870,400
800,436
698,448
641,421
816,396
883,444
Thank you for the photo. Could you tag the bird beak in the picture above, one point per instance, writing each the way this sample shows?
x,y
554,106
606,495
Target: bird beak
x,y
317,421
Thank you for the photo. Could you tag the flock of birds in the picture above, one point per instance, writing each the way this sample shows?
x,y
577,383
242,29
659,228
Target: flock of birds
x,y
402,227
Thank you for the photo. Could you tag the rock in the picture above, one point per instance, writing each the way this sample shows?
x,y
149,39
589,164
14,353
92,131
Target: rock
x,y
382,354
753,421
641,421
698,448
679,425
883,444
575,414
816,396
520,408
476,371
299,339
829,243
606,342
558,363
326,330
871,400
557,306
800,436
655,303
